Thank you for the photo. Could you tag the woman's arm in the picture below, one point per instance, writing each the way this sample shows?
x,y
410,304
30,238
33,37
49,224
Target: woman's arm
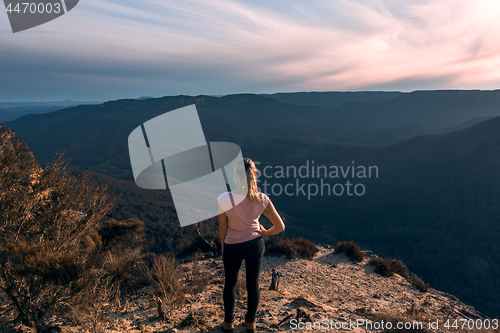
x,y
275,218
222,228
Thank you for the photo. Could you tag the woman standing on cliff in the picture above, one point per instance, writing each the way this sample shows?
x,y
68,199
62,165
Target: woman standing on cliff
x,y
241,236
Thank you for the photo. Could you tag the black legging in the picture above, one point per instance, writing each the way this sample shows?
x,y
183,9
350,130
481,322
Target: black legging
x,y
252,251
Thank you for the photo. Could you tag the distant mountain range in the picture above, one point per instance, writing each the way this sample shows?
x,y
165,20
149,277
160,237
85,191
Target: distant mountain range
x,y
332,99
434,203
96,135
12,110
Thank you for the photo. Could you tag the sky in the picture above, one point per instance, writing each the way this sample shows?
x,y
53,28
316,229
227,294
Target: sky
x,y
112,49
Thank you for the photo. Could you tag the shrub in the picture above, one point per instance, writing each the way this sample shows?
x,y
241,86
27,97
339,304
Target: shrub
x,y
39,279
419,283
122,234
292,248
98,306
389,267
197,279
164,276
351,249
47,252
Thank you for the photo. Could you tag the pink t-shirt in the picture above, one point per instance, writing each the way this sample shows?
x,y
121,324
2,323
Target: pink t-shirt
x,y
243,219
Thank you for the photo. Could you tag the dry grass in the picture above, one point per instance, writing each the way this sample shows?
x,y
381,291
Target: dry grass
x,y
124,274
197,279
193,319
241,285
412,317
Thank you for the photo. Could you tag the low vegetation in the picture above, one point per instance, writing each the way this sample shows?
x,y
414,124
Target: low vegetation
x,y
411,321
351,249
63,258
292,248
389,267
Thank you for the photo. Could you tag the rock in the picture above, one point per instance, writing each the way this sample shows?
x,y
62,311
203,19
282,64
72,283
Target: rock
x,y
302,302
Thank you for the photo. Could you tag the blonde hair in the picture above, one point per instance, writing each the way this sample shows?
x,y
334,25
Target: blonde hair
x,y
251,172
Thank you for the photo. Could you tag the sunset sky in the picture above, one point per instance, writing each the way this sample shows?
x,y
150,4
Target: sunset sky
x,y
110,49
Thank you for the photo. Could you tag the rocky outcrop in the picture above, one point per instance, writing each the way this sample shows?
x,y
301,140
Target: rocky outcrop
x,y
329,290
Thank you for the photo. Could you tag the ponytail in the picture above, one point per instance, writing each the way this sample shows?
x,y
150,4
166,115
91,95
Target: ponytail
x,y
251,171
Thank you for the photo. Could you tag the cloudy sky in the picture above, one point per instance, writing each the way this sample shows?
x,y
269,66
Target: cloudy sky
x,y
110,49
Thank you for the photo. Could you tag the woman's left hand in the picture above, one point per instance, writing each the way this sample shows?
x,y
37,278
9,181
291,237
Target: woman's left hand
x,y
261,229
